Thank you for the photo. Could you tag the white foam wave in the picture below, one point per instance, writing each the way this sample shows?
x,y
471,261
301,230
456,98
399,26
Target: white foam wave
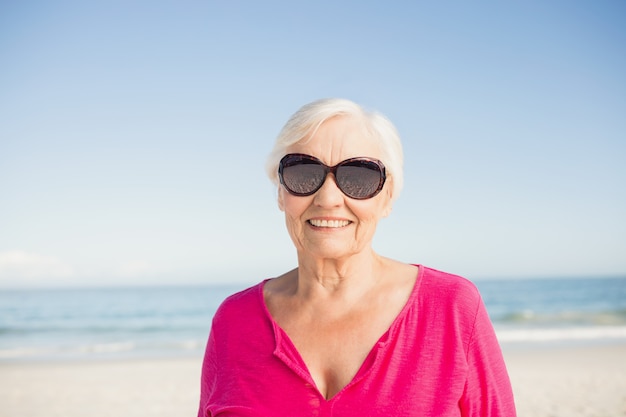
x,y
107,347
561,334
24,352
190,345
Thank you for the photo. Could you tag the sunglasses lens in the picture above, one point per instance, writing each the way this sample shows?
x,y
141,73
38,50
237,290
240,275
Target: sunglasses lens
x,y
303,178
359,179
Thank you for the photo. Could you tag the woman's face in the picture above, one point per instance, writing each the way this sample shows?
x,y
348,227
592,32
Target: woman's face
x,y
328,224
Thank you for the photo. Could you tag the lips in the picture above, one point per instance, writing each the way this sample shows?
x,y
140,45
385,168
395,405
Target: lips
x,y
331,224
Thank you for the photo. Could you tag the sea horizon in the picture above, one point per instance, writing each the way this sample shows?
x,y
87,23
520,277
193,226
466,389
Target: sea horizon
x,y
174,320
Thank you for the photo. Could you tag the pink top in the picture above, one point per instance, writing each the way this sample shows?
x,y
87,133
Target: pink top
x,y
440,357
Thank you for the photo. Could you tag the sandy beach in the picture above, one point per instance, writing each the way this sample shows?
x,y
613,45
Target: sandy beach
x,y
548,382
569,382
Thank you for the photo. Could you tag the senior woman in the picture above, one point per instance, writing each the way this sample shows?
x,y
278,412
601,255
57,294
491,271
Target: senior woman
x,y
349,332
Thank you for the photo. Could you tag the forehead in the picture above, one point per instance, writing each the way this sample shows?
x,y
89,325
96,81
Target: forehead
x,y
337,139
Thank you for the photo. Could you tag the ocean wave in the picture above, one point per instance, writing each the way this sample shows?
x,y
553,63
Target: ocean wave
x,y
561,334
594,318
116,347
95,329
22,352
103,349
67,351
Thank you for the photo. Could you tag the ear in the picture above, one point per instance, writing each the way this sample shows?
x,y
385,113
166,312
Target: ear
x,y
281,198
387,209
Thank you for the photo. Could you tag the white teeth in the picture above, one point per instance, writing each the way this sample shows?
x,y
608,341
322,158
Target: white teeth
x,y
329,223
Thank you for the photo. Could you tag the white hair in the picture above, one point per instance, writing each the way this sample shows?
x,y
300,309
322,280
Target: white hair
x,y
303,124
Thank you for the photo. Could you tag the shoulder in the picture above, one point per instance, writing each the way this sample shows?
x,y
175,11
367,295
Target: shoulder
x,y
447,289
240,305
446,281
448,307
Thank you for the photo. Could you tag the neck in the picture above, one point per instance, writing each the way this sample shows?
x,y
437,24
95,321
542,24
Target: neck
x,y
338,277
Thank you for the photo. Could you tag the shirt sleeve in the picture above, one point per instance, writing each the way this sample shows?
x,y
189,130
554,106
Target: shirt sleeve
x,y
488,391
208,376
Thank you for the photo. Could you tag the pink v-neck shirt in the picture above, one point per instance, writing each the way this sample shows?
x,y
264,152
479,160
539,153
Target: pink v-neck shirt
x,y
440,357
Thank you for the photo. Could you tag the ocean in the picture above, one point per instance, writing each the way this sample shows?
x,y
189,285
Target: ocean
x,y
151,322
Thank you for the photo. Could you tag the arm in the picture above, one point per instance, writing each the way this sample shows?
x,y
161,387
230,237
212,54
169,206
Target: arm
x,y
207,379
488,391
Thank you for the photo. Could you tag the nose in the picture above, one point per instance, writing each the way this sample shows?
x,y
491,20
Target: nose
x,y
329,195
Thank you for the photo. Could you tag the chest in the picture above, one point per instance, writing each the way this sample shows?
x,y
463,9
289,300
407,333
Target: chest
x,y
324,377
334,350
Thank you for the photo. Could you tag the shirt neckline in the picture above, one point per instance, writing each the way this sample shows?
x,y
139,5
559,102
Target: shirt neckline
x,y
297,364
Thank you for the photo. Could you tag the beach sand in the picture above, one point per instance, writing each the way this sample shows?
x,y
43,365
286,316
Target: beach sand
x,y
548,382
120,388
569,381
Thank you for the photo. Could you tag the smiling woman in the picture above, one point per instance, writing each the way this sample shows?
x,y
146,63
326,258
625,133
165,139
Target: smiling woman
x,y
349,332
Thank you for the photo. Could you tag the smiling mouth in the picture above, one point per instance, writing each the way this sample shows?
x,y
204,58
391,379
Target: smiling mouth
x,y
334,224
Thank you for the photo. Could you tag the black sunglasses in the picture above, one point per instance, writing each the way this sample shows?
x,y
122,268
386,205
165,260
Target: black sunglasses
x,y
358,178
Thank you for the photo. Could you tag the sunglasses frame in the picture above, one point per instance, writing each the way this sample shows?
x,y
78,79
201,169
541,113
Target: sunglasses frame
x,y
328,169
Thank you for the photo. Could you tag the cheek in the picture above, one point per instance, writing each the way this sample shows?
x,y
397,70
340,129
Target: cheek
x,y
293,209
371,213
292,206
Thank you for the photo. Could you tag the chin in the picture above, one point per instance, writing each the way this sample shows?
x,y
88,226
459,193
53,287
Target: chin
x,y
330,252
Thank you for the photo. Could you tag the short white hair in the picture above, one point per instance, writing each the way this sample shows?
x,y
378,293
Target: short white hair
x,y
304,123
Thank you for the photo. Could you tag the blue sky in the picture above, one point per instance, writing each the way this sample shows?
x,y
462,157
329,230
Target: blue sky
x,y
133,135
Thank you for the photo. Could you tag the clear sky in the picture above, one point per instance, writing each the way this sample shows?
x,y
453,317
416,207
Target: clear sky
x,y
133,135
